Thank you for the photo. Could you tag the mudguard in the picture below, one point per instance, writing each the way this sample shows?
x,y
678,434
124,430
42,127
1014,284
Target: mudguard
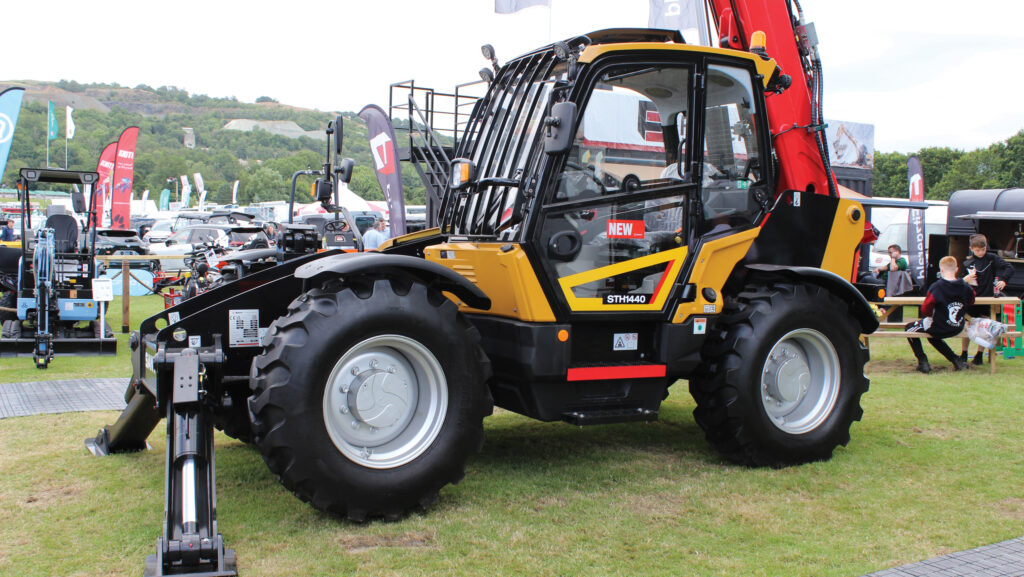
x,y
381,263
843,288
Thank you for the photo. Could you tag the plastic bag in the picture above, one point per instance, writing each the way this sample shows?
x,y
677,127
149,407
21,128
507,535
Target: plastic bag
x,y
985,332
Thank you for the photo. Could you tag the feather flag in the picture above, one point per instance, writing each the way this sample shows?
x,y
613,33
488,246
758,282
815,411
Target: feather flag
x,y
51,126
70,133
10,105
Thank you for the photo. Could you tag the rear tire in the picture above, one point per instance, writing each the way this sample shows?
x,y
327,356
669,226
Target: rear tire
x,y
369,397
783,376
8,301
11,329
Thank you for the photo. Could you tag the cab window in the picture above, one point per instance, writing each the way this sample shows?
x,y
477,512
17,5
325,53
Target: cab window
x,y
733,159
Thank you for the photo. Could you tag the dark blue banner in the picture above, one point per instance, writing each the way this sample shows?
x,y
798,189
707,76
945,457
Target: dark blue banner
x,y
385,161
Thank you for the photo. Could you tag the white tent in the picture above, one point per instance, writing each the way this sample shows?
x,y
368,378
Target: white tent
x,y
351,200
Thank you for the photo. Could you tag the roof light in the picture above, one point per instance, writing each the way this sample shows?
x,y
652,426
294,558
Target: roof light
x,y
758,42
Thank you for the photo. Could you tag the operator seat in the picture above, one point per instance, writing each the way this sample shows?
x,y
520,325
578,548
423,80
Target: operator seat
x,y
65,232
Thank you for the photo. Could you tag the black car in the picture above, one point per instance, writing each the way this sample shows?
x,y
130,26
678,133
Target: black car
x,y
113,241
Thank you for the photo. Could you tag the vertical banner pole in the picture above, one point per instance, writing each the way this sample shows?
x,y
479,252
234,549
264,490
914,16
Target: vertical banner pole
x,y
125,289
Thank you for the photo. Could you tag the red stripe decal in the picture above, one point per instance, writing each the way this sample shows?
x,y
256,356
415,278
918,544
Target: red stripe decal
x,y
662,281
617,372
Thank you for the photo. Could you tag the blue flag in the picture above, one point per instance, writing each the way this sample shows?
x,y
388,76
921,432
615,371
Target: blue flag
x,y
10,105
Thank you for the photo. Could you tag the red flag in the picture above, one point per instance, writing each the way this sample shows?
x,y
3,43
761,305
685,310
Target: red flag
x,y
124,173
105,168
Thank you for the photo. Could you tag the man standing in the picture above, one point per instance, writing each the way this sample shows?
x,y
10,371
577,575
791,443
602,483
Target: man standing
x,y
7,233
374,236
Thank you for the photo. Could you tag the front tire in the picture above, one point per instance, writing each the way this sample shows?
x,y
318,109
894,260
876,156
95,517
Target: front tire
x,y
370,396
783,376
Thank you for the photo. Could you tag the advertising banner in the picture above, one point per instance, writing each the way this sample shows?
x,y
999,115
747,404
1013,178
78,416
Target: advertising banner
x,y
10,105
385,161
851,144
105,168
915,225
124,174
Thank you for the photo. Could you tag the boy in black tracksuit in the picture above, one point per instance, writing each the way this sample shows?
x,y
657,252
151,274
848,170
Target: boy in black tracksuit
x,y
942,315
987,273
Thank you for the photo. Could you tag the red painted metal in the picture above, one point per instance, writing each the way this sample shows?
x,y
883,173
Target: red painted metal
x,y
801,167
616,372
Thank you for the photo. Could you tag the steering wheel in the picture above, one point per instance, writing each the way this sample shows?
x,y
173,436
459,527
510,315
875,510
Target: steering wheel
x,y
583,182
335,226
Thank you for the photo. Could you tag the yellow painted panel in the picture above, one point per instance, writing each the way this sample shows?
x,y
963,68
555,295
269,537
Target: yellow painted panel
x,y
765,67
844,238
674,257
712,268
506,277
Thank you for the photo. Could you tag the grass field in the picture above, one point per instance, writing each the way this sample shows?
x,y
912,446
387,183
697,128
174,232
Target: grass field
x,y
935,467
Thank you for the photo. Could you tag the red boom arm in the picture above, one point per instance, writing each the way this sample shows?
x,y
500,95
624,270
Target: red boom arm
x,y
790,114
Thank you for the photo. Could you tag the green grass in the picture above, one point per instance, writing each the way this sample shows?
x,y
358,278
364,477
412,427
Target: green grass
x,y
934,467
21,369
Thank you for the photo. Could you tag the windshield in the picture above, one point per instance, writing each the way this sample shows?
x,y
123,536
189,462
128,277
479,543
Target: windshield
x,y
161,226
179,237
501,139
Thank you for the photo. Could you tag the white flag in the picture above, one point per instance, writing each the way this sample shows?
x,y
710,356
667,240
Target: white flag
x,y
71,123
145,197
686,16
234,193
199,181
510,6
186,190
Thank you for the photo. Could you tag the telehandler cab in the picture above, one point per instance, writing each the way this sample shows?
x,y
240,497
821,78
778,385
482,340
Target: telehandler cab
x,y
584,260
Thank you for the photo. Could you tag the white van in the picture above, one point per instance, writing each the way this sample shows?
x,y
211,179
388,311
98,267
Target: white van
x,y
894,229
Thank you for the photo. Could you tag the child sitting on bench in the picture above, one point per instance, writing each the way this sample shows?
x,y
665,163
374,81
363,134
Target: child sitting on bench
x,y
942,315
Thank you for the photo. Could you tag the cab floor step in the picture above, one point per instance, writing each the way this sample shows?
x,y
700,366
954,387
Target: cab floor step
x,y
605,416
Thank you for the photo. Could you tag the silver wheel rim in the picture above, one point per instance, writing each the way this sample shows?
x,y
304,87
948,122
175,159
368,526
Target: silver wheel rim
x,y
800,381
385,401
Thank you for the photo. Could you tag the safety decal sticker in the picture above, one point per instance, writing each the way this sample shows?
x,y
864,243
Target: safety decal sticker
x,y
244,328
624,341
699,326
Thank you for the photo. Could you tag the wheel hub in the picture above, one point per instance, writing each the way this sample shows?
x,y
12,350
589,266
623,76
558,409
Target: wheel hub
x,y
375,397
385,401
380,398
787,375
800,381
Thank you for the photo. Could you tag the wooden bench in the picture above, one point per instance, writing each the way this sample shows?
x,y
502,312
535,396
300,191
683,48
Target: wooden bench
x,y
885,329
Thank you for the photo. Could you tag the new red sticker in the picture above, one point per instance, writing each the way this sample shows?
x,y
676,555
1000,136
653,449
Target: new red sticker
x,y
625,229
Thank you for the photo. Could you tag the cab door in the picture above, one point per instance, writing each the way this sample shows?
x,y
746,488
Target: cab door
x,y
618,211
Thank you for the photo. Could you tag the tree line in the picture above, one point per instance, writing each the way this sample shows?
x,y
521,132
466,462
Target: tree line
x,y
261,161
946,170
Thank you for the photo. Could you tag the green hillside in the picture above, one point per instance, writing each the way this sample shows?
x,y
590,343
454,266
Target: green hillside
x,y
263,162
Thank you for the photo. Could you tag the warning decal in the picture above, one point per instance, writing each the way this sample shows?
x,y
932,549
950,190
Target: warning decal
x,y
624,341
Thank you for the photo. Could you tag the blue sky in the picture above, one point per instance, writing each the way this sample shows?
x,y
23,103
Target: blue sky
x,y
924,72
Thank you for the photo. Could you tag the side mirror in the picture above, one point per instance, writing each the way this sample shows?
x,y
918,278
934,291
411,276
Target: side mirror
x,y
170,241
78,201
339,134
324,190
344,169
559,127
